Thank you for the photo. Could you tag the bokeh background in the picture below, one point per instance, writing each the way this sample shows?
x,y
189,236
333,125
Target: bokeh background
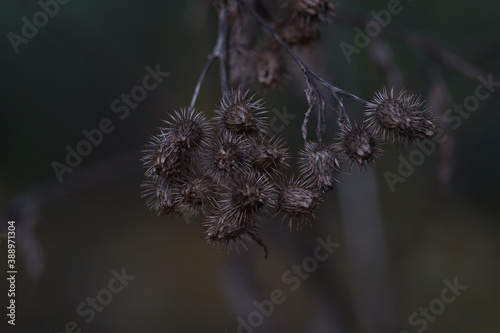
x,y
396,247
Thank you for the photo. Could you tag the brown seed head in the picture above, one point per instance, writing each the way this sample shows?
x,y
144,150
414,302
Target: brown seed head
x,y
294,33
357,146
270,155
270,67
161,196
241,115
227,156
161,157
318,163
297,202
229,229
399,118
187,130
198,194
252,192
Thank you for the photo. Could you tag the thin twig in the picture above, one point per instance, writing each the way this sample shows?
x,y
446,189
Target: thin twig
x,y
311,79
221,47
210,60
220,52
305,69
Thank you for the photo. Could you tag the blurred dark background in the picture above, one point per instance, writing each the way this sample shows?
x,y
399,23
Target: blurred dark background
x,y
396,247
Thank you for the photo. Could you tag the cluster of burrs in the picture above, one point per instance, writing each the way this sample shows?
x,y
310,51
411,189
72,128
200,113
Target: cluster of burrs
x,y
233,170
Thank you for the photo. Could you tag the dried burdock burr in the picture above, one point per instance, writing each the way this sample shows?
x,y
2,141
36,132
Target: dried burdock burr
x,y
161,157
357,145
252,192
318,163
270,66
230,229
293,34
198,194
161,196
307,15
187,130
227,154
270,154
399,118
241,114
297,202
319,9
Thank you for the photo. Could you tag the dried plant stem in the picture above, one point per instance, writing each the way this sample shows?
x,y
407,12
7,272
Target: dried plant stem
x,y
220,52
312,79
210,60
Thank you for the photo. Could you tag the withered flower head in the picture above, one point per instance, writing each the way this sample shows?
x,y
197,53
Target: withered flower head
x,y
309,14
187,130
252,192
399,118
161,157
197,194
230,229
297,202
318,163
294,33
161,196
241,114
357,146
270,67
227,155
270,154
314,8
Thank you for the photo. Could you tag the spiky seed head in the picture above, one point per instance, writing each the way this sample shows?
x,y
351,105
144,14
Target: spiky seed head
x,y
399,118
227,155
314,8
241,114
270,67
270,154
161,196
161,157
198,194
357,145
307,15
187,130
318,163
230,229
297,202
294,33
253,192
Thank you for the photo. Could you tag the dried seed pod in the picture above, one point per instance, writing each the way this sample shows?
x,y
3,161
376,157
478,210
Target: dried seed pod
x,y
197,194
229,229
227,155
318,163
241,114
187,130
270,67
297,202
161,196
357,145
319,9
307,15
270,155
293,34
399,118
254,193
161,157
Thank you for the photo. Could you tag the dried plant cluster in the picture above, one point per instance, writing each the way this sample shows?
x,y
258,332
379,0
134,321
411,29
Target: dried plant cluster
x,y
232,169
